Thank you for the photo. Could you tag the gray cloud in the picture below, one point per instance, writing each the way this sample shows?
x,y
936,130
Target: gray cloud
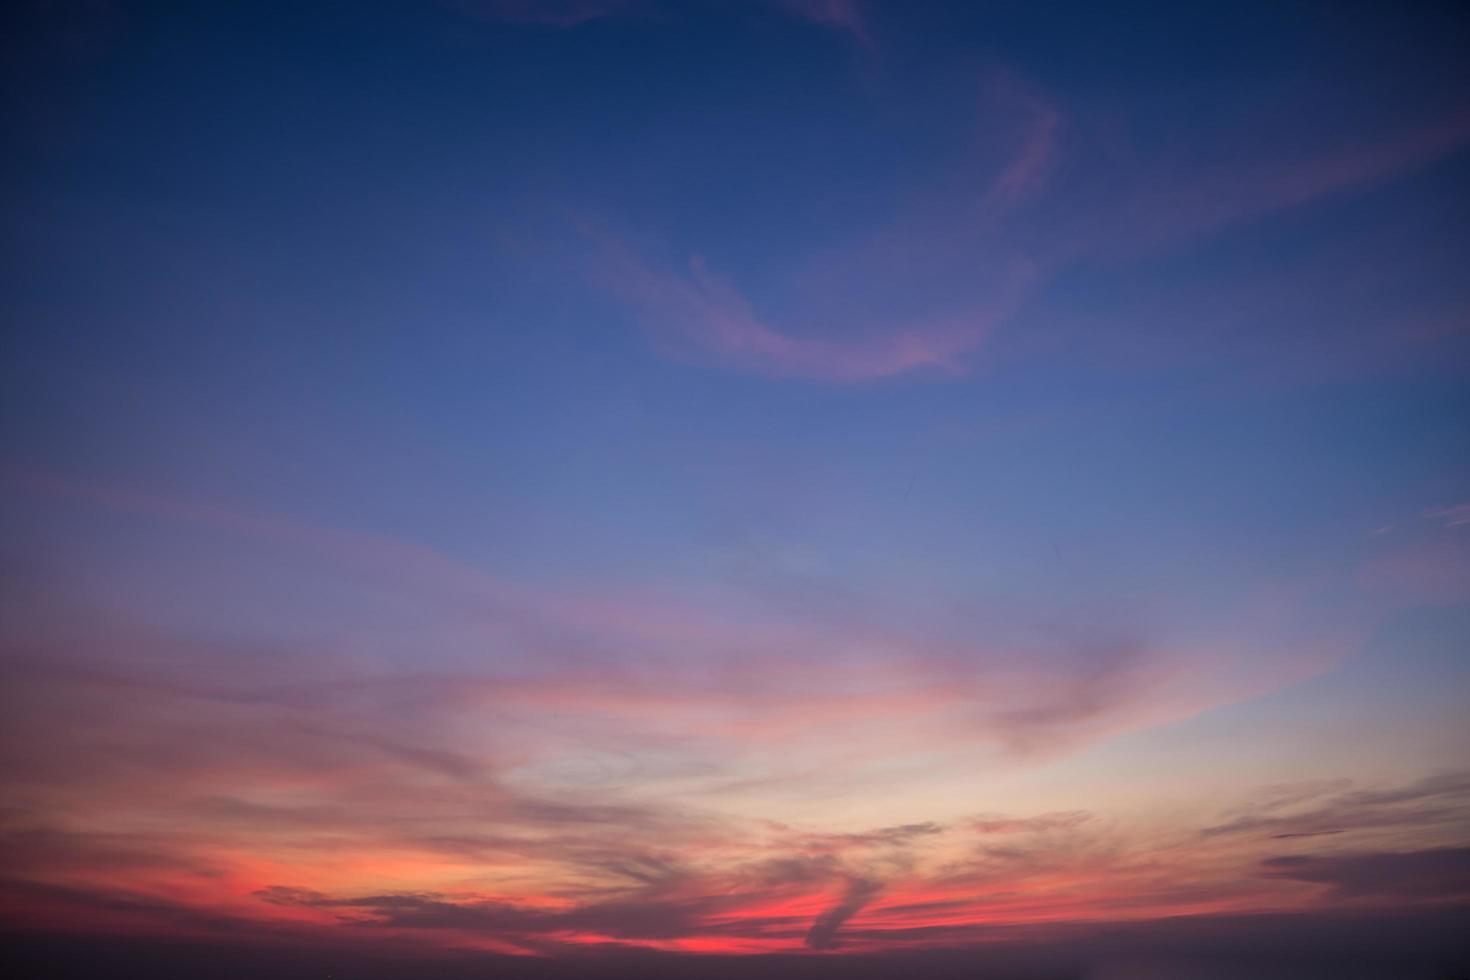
x,y
1438,873
823,933
1436,800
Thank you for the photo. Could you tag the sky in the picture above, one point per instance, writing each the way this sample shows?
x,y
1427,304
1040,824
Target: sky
x,y
827,478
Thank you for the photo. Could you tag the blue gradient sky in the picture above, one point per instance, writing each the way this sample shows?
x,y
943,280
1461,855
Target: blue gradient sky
x,y
764,420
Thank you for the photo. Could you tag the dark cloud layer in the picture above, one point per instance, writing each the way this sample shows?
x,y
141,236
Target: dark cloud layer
x,y
859,892
1402,946
1438,873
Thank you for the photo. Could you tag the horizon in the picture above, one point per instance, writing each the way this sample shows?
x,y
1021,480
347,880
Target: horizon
x,y
534,486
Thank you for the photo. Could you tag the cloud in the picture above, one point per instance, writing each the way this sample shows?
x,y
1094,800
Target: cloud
x,y
697,315
991,233
657,901
405,796
996,824
1425,562
39,906
1035,155
897,835
1344,945
690,687
31,848
1166,206
1439,873
841,321
842,15
651,897
1457,515
739,887
629,918
858,893
989,238
1281,795
1442,799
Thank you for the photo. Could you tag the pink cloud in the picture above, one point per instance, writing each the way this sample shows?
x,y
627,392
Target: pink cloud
x,y
987,238
1164,208
1026,174
171,784
841,326
679,668
697,315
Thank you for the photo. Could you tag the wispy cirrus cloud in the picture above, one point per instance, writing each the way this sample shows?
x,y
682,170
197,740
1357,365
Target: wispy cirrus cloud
x,y
1171,203
990,238
1456,515
841,693
956,237
695,315
1423,562
997,824
1330,807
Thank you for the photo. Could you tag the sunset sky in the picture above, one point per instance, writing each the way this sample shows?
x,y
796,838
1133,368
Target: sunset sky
x,y
731,476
